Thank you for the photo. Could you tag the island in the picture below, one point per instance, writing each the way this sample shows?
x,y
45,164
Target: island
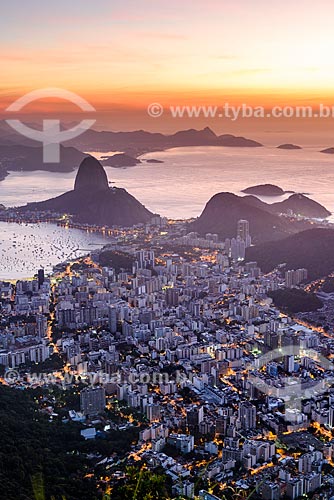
x,y
328,151
119,160
152,160
265,190
289,146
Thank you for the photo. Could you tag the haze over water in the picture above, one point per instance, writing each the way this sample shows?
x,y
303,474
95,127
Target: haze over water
x,y
180,187
177,188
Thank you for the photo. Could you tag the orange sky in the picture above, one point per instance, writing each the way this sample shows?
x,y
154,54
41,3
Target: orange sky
x,y
123,54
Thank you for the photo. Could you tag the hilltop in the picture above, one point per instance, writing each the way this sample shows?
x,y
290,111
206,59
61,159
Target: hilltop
x,y
311,249
92,201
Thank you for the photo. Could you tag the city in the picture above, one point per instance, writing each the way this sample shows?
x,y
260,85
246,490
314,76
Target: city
x,y
166,250
172,346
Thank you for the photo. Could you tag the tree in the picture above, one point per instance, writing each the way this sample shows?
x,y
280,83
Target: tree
x,y
142,484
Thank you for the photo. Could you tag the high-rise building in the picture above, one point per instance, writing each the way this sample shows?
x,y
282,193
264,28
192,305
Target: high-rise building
x,y
238,248
40,277
183,442
92,400
247,415
195,416
153,412
293,278
312,482
272,340
112,318
172,297
243,232
289,363
41,325
243,229
294,488
308,461
144,259
270,491
331,417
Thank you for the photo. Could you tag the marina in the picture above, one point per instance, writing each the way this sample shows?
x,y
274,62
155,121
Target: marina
x,y
24,248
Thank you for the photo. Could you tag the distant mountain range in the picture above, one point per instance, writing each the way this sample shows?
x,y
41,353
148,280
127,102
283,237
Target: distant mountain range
x,y
134,142
140,141
92,201
27,158
20,153
223,210
311,249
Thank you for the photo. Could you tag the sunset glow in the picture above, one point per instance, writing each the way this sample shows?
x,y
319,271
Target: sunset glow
x,y
125,54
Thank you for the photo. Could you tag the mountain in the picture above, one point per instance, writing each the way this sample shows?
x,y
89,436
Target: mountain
x,y
93,202
139,141
233,141
3,172
300,204
264,190
10,137
223,210
297,204
288,146
27,158
132,143
194,137
311,249
91,176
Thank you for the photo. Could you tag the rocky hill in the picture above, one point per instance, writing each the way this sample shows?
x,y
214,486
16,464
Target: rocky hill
x,y
93,202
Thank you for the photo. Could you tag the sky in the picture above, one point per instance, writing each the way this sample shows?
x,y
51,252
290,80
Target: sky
x,y
121,55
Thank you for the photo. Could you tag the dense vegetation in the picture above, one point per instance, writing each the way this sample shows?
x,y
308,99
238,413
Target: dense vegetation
x,y
223,210
295,300
328,286
117,260
42,459
312,249
34,448
141,484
